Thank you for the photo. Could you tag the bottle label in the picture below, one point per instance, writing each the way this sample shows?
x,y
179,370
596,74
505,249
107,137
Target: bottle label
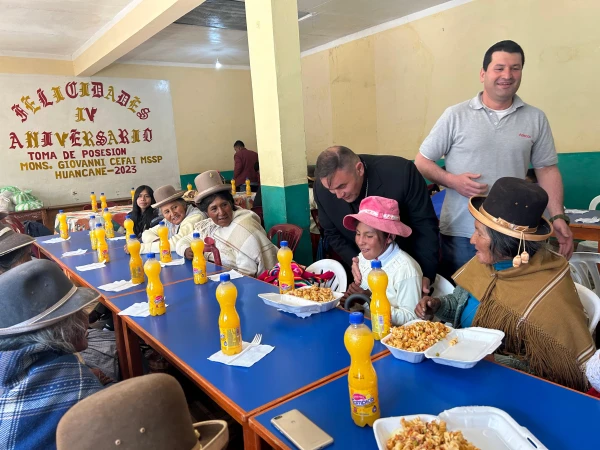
x,y
230,337
284,287
381,324
136,273
363,403
158,300
103,255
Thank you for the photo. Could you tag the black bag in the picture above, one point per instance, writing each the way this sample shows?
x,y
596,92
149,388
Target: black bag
x,y
36,229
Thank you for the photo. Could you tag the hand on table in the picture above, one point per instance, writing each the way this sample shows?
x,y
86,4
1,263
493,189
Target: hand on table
x,y
465,185
189,254
126,249
564,236
427,307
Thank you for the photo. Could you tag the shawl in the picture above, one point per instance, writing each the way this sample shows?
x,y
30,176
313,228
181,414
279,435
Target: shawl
x,y
537,307
37,387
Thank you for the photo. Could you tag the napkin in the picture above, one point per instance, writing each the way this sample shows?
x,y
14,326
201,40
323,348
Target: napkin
x,y
232,275
55,240
175,262
90,266
117,286
248,359
575,211
74,252
588,220
137,310
117,238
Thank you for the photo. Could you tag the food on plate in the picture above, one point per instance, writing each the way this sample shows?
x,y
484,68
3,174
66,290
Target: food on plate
x,y
453,342
314,293
418,336
416,434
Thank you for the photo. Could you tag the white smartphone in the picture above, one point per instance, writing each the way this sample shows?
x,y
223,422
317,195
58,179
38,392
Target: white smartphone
x,y
301,431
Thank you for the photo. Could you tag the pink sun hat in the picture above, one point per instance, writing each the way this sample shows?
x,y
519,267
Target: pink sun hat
x,y
380,213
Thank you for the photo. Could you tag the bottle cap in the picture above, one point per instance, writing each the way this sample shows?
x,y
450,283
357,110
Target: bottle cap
x,y
283,244
150,256
162,223
196,235
247,179
356,318
92,216
224,277
106,209
375,264
132,236
101,193
60,211
92,192
98,225
128,216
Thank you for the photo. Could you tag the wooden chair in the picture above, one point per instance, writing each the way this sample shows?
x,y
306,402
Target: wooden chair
x,y
14,223
286,232
211,247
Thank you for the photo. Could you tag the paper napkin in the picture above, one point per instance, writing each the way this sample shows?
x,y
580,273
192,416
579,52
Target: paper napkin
x,y
81,251
248,359
232,275
91,266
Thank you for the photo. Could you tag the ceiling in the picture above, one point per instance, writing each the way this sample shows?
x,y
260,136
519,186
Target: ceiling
x,y
58,28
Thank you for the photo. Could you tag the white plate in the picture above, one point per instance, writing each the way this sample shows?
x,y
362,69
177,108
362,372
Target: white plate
x,y
485,427
405,355
473,345
297,305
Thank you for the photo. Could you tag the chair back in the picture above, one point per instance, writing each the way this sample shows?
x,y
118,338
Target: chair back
x,y
441,286
584,270
14,223
211,247
594,203
286,232
120,219
339,283
591,304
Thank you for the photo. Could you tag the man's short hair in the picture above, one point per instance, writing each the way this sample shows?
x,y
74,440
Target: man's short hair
x,y
334,159
239,144
503,46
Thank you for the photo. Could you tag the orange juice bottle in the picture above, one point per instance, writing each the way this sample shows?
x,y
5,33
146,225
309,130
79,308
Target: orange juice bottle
x,y
103,203
94,202
135,261
248,188
154,289
93,239
132,194
286,276
381,311
102,249
128,224
199,263
229,321
189,186
62,225
164,246
108,225
362,378
233,188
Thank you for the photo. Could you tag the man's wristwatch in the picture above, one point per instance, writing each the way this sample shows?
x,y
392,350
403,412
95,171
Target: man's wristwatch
x,y
561,216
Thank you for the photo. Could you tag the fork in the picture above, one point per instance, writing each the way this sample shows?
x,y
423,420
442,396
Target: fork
x,y
256,341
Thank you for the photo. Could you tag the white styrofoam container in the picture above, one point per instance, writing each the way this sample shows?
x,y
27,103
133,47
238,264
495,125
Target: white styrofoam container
x,y
297,305
405,355
485,427
473,345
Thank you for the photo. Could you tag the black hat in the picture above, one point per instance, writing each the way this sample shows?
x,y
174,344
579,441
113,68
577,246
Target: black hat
x,y
11,241
514,207
38,294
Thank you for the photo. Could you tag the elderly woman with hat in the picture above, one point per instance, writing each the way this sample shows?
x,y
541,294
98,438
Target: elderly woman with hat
x,y
238,234
42,325
180,218
377,224
15,248
517,285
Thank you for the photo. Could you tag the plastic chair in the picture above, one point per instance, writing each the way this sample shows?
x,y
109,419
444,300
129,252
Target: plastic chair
x,y
594,203
591,304
441,286
211,247
15,224
590,246
286,232
584,270
120,218
339,283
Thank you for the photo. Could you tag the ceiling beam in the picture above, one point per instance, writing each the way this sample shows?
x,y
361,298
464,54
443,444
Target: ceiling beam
x,y
138,25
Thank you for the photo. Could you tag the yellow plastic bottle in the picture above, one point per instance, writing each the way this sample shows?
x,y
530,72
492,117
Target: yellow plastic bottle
x,y
108,225
128,224
94,202
102,249
362,378
103,203
286,276
381,311
93,240
132,194
164,246
229,321
233,188
248,188
154,289
199,262
189,186
135,261
62,225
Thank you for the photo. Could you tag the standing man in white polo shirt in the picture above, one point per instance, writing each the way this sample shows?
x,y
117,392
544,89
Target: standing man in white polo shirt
x,y
491,136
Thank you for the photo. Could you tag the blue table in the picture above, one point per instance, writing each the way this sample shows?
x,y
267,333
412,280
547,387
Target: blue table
x,y
560,418
586,231
307,351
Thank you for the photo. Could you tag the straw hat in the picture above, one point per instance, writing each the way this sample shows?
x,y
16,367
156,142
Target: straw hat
x,y
10,240
380,213
38,294
514,207
166,194
208,183
141,413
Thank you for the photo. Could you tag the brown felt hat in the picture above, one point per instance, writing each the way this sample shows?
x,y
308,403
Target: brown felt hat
x,y
142,413
166,194
208,183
